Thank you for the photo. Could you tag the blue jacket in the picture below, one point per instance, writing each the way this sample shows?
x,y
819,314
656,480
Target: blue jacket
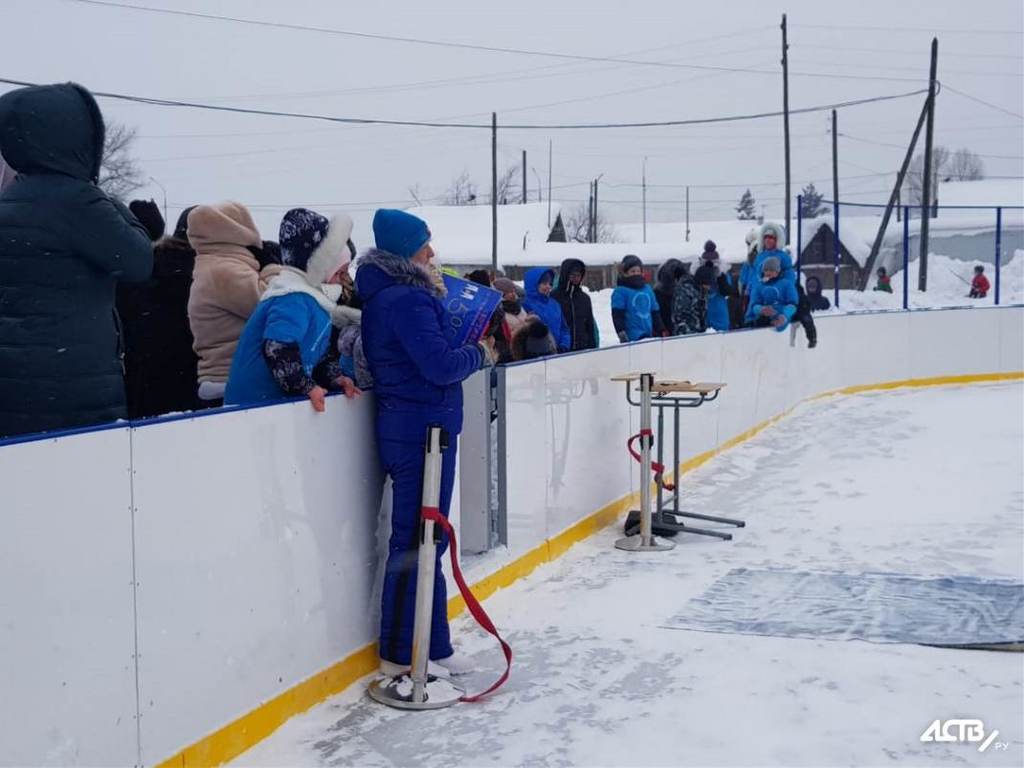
x,y
785,262
718,307
638,304
295,318
780,294
546,308
417,374
747,277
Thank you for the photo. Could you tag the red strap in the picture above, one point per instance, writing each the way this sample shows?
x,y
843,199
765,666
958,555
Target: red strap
x,y
657,467
433,513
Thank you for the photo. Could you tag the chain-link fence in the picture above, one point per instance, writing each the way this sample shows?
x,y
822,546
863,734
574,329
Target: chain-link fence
x,y
862,260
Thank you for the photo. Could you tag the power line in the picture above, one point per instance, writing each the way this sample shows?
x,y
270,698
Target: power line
x,y
930,30
905,52
903,147
986,103
429,124
476,46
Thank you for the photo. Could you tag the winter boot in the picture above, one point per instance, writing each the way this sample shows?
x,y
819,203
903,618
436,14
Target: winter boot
x,y
457,664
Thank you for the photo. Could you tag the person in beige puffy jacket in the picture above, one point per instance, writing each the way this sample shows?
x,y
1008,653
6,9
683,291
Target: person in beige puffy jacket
x,y
230,276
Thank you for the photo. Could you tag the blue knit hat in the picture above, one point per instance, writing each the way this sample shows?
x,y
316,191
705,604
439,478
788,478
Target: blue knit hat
x,y
399,232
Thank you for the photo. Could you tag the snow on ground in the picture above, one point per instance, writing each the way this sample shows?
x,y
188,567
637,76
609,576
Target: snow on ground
x,y
923,483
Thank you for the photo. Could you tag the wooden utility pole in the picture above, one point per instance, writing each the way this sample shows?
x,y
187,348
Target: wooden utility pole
x,y
643,180
595,208
524,178
549,184
926,182
590,215
494,192
687,214
785,114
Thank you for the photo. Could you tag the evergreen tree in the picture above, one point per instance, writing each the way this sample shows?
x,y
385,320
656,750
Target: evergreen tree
x,y
810,203
745,211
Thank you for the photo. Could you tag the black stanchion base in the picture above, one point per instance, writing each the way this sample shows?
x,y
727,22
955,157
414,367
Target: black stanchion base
x,y
632,526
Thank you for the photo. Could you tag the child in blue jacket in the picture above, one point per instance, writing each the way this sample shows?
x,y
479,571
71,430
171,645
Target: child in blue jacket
x,y
773,300
635,311
285,348
538,283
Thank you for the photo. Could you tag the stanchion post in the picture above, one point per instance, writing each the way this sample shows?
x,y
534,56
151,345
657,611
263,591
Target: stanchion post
x,y
906,258
425,691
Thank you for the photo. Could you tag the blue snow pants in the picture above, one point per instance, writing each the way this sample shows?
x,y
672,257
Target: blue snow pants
x,y
403,461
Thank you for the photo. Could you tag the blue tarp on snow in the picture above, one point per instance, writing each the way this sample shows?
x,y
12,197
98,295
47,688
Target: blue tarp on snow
x,y
875,607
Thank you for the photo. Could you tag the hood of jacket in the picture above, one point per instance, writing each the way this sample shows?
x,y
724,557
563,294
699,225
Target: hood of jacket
x,y
225,226
669,273
568,267
533,278
771,228
52,129
379,270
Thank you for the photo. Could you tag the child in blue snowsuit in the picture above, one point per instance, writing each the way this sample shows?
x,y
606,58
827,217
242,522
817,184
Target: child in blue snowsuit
x,y
417,379
635,311
285,347
538,283
773,300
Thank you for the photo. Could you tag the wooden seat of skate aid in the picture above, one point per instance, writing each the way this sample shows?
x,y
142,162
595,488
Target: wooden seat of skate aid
x,y
707,390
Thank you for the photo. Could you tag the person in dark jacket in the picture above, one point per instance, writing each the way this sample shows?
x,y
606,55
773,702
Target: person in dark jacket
x,y
159,363
417,377
533,340
815,299
665,290
718,285
480,277
577,311
689,306
539,283
635,311
64,245
803,315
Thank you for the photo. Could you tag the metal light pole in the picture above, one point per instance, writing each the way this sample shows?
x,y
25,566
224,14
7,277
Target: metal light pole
x,y
540,187
165,195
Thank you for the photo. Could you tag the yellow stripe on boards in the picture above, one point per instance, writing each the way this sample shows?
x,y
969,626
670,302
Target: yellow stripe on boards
x,y
242,734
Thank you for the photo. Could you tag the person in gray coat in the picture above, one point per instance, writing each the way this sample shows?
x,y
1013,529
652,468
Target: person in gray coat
x,y
64,245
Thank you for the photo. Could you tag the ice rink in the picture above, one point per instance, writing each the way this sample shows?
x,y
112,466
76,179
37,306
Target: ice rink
x,y
910,483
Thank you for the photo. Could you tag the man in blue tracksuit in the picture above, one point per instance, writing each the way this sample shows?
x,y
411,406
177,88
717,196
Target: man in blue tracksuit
x,y
773,300
417,377
635,311
538,283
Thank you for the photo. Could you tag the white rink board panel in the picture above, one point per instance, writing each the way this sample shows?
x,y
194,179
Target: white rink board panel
x,y
256,541
588,426
955,341
67,667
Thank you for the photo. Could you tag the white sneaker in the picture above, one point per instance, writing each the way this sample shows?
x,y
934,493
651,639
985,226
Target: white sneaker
x,y
457,664
392,669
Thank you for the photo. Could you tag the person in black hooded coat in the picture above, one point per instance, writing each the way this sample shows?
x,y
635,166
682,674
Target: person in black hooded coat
x,y
159,362
63,247
665,290
576,306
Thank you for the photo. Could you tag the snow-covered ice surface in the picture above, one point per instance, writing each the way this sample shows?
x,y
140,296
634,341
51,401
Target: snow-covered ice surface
x,y
921,483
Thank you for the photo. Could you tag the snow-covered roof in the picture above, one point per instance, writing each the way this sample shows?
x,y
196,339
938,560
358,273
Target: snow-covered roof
x,y
729,236
461,234
989,192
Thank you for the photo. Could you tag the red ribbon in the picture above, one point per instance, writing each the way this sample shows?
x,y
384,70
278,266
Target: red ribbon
x,y
656,467
433,513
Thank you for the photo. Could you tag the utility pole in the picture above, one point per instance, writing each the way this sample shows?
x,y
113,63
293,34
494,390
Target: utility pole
x,y
785,113
643,179
524,178
926,182
540,187
590,215
494,192
549,184
835,207
164,190
595,207
687,214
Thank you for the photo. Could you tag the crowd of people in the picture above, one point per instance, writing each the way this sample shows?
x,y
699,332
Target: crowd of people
x,y
105,315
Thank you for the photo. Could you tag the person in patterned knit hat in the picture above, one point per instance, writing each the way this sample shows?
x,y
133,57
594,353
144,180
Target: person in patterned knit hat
x,y
286,349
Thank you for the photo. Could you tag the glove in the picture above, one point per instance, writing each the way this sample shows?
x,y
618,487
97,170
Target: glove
x,y
267,254
622,337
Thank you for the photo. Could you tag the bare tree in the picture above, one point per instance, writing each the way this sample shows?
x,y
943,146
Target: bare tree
x,y
577,225
462,191
120,174
915,174
966,166
507,186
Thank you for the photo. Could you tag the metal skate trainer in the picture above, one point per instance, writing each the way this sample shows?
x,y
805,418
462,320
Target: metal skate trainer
x,y
417,689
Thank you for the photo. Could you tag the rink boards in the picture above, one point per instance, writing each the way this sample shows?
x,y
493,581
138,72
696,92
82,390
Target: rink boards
x,y
191,576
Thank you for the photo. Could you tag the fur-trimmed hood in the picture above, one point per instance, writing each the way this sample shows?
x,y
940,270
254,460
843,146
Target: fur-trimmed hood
x,y
379,270
770,227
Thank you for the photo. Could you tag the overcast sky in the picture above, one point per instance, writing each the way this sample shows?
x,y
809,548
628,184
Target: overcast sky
x,y
869,48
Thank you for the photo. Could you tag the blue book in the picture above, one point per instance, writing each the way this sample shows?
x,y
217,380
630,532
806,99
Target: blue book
x,y
470,307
